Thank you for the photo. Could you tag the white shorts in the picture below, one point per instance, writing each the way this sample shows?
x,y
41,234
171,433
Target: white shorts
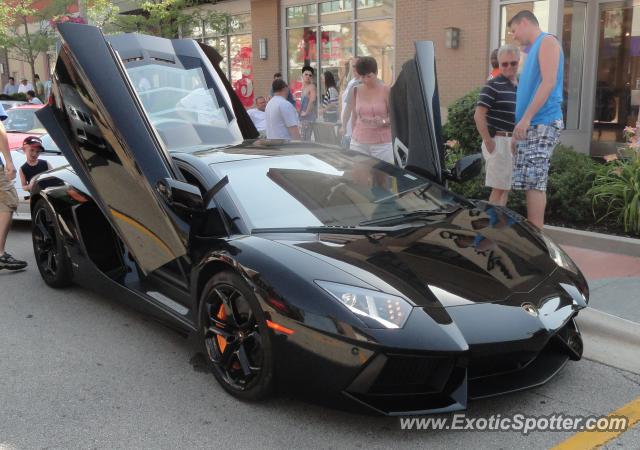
x,y
498,164
380,151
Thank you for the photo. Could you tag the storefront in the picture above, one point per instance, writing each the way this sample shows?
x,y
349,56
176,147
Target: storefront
x,y
326,34
600,39
601,43
233,40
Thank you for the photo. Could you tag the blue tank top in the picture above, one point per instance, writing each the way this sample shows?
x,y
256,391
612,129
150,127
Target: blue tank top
x,y
303,107
530,80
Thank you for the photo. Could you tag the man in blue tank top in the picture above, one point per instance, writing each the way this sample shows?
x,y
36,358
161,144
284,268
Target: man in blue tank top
x,y
538,112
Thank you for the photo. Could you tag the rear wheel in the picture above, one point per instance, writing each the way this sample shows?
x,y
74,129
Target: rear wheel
x,y
235,338
48,247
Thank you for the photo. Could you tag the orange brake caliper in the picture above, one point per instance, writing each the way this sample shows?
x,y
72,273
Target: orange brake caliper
x,y
221,316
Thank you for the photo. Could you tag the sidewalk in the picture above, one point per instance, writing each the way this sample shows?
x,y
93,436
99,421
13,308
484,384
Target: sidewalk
x,y
614,281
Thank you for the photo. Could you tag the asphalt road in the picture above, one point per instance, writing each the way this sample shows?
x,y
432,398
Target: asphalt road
x,y
79,370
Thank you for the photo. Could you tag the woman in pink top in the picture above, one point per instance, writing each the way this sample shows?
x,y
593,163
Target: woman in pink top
x,y
370,113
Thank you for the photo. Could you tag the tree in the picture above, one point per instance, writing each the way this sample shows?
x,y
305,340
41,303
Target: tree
x,y
26,31
165,18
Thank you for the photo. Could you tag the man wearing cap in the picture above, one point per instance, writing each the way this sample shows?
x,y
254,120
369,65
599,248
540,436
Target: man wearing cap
x,y
8,199
24,87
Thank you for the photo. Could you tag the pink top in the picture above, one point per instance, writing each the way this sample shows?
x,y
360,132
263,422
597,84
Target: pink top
x,y
370,112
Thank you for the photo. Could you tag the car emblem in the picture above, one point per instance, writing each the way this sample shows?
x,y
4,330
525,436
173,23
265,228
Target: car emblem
x,y
530,309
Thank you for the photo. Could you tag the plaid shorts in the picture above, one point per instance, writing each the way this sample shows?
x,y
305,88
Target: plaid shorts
x,y
531,165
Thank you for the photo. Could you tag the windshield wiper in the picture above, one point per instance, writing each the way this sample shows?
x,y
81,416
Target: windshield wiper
x,y
412,215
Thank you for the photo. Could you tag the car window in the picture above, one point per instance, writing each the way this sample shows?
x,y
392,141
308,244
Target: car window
x,y
185,109
48,144
331,189
22,120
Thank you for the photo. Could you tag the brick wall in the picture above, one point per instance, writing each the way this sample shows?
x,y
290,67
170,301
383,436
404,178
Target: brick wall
x,y
265,23
461,69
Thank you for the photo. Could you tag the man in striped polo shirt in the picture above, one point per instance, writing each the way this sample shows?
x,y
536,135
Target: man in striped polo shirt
x,y
495,119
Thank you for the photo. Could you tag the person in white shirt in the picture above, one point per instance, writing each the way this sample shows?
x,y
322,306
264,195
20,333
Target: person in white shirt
x,y
31,98
11,87
259,116
281,116
347,96
25,86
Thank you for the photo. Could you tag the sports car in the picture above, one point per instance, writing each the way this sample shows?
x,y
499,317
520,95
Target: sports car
x,y
296,265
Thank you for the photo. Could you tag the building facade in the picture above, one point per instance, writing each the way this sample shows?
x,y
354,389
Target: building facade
x,y
600,39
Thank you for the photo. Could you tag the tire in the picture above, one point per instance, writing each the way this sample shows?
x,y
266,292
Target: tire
x,y
234,337
48,247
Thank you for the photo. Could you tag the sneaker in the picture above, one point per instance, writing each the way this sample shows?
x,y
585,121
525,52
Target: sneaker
x,y
10,263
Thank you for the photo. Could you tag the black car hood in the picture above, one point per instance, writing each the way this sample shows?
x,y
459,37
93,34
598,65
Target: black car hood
x,y
476,255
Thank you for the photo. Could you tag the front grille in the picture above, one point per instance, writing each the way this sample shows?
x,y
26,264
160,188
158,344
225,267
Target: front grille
x,y
485,366
412,374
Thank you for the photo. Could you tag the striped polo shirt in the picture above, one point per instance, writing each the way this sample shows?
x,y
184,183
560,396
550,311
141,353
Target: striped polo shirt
x,y
499,97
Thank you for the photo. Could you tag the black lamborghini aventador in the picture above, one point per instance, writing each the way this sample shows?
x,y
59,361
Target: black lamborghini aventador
x,y
293,261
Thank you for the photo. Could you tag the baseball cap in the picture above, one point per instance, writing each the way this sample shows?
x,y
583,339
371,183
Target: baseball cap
x,y
32,140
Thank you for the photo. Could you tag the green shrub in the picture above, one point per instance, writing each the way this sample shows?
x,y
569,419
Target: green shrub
x,y
19,96
571,176
460,125
616,192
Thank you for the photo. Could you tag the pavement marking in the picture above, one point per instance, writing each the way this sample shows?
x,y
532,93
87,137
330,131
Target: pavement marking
x,y
585,440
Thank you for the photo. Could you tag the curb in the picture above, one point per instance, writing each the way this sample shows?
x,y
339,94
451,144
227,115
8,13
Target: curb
x,y
594,241
610,339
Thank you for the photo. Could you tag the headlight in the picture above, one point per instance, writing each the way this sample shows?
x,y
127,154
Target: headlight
x,y
385,310
559,256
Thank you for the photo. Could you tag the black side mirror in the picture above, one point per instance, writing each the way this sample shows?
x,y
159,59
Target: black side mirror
x,y
465,169
181,195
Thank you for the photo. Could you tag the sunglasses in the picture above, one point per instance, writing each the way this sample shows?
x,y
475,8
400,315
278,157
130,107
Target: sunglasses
x,y
509,63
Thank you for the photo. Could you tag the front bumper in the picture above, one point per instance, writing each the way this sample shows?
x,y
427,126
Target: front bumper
x,y
401,384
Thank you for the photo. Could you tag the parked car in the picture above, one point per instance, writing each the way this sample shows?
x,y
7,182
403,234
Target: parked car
x,y
52,154
293,262
21,122
8,104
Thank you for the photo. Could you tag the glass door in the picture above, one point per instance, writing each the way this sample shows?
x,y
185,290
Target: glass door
x,y
617,97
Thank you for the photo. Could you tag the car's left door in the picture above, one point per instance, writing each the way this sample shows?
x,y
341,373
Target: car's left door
x,y
100,126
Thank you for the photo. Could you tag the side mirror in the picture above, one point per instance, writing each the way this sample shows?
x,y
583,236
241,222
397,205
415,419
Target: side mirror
x,y
465,169
180,194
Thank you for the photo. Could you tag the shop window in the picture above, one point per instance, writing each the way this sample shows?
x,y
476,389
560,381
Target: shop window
x,y
336,10
540,8
374,39
232,39
302,50
375,8
302,15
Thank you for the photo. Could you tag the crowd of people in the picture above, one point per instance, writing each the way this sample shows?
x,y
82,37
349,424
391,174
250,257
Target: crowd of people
x,y
363,109
518,115
35,92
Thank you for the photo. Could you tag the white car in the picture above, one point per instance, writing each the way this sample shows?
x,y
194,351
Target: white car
x,y
52,154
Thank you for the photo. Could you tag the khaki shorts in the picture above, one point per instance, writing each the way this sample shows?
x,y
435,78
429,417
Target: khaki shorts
x,y
8,194
498,164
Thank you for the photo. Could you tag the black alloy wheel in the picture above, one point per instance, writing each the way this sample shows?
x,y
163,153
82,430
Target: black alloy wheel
x,y
48,247
235,337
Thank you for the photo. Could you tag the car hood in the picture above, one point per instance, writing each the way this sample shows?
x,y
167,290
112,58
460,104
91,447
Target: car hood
x,y
476,255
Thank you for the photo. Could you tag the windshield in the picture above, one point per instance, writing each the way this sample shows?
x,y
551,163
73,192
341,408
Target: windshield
x,y
23,121
328,189
187,111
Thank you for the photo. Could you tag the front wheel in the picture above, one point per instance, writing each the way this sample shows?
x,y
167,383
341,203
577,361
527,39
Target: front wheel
x,y
235,337
48,247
